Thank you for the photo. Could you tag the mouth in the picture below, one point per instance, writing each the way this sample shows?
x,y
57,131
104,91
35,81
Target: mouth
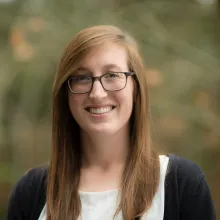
x,y
100,110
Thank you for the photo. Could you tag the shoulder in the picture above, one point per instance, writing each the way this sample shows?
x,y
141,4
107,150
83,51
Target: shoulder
x,y
187,191
36,172
28,193
183,175
184,168
32,178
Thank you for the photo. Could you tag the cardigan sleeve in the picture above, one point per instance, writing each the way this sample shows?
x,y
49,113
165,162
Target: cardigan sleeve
x,y
187,195
18,199
193,193
197,202
28,195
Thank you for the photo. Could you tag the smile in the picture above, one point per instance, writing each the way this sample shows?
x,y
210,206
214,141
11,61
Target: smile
x,y
101,110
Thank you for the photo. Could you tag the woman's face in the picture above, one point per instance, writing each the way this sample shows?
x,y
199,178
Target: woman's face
x,y
101,111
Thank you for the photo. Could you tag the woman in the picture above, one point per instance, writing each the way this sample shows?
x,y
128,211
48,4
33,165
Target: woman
x,y
103,165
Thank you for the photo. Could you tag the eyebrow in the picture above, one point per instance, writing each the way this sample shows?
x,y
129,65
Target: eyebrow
x,y
109,66
82,68
105,67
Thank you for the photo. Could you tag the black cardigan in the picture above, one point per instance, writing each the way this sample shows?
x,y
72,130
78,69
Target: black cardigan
x,y
187,195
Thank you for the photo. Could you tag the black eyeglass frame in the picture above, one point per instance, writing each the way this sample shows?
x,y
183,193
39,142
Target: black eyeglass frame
x,y
94,78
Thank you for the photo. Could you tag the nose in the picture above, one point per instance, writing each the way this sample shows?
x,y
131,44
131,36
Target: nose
x,y
97,91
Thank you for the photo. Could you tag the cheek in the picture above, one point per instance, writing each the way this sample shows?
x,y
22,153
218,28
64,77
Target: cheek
x,y
126,99
130,90
75,101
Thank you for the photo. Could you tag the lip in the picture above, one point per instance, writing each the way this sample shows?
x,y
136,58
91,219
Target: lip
x,y
99,106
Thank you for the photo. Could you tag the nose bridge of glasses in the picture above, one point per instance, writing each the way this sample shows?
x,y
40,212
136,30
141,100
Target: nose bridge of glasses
x,y
95,80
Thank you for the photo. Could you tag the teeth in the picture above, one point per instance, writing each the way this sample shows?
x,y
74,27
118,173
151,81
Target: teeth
x,y
100,110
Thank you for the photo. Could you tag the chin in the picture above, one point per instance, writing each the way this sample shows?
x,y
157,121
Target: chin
x,y
103,130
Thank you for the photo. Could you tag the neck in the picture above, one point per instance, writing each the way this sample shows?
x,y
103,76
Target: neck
x,y
105,151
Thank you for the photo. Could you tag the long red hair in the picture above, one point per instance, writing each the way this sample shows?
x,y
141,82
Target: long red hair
x,y
141,174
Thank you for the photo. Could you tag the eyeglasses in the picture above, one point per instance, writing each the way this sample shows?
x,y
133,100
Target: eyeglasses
x,y
111,81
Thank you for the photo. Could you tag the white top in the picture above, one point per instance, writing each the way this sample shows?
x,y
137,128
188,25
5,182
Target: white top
x,y
102,205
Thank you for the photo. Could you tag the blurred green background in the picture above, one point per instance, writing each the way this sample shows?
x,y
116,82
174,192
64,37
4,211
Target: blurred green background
x,y
180,41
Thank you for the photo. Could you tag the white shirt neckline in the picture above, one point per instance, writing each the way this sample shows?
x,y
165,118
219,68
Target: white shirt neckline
x,y
102,205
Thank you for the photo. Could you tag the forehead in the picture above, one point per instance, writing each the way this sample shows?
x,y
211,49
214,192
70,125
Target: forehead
x,y
108,55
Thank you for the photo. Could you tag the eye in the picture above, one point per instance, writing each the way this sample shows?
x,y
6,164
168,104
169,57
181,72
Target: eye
x,y
81,79
112,75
